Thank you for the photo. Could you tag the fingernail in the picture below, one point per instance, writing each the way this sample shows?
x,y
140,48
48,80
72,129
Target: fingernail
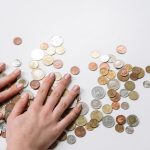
x,y
17,71
20,85
51,75
23,95
79,106
67,76
76,88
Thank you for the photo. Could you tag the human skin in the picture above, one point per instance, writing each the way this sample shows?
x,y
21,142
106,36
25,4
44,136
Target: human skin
x,y
40,126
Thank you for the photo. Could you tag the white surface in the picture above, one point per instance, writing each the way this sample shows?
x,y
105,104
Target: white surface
x,y
85,25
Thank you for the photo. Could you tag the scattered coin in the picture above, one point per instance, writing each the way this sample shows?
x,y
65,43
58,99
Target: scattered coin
x,y
96,114
95,54
80,132
94,123
75,70
56,41
133,95
98,92
121,49
44,46
92,66
16,63
71,139
129,85
129,130
34,64
124,93
125,105
115,105
104,58
85,108
96,104
102,80
111,74
146,84
107,109
60,50
58,63
148,69
104,65
119,128
88,127
17,41
108,121
81,121
47,60
113,84
132,120
112,93
35,84
104,71
118,64
51,50
121,119
23,81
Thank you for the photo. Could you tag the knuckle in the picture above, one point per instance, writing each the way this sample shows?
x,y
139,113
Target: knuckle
x,y
63,104
55,94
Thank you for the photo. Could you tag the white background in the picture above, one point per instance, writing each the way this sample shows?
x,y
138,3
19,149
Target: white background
x,y
85,25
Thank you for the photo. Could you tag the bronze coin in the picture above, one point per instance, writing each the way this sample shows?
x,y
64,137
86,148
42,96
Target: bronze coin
x,y
116,98
80,131
17,41
58,63
104,65
124,72
34,84
122,78
133,76
148,69
92,66
120,119
142,74
119,128
63,136
53,146
112,93
115,105
75,70
136,70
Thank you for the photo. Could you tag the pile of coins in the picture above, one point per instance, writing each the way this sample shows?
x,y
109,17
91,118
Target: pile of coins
x,y
112,72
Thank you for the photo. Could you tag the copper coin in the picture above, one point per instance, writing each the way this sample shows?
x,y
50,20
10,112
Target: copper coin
x,y
75,70
121,119
121,49
133,76
104,71
119,128
17,41
115,105
58,63
80,131
122,78
136,70
92,66
104,65
35,84
124,72
116,98
111,93
148,69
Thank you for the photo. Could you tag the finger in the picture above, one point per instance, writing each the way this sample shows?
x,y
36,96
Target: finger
x,y
19,107
64,123
44,89
2,67
10,78
10,92
65,102
57,92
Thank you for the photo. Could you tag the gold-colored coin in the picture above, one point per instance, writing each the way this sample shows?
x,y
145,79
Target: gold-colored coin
x,y
142,74
122,78
34,64
96,115
81,121
111,93
107,109
72,126
44,46
148,69
111,74
104,71
88,127
102,80
60,50
133,95
128,67
94,123
47,60
129,85
119,128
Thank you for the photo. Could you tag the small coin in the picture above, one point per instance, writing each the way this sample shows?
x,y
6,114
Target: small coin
x,y
136,70
122,78
85,108
51,50
132,120
75,70
71,139
92,66
47,60
115,105
16,63
104,71
116,98
102,80
34,64
88,127
34,84
96,104
119,128
134,76
60,50
17,41
94,123
111,74
56,41
96,114
146,84
129,85
81,121
128,67
125,105
98,92
133,95
104,65
95,54
111,93
104,58
23,81
124,93
112,58
129,130
121,49
44,46
121,119
38,74
37,54
113,84
124,72
58,76
63,136
118,64
80,132
108,121
58,63
148,69
107,109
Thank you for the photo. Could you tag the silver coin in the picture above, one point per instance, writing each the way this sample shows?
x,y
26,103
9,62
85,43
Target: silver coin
x,y
108,121
16,63
98,92
118,64
104,58
129,130
124,93
3,127
112,58
146,84
125,105
71,139
132,120
85,108
38,74
2,75
113,84
96,104
56,41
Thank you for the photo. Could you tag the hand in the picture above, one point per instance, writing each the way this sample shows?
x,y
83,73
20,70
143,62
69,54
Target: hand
x,y
40,126
7,80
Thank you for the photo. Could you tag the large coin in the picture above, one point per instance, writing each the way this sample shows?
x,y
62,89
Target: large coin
x,y
108,121
113,84
132,120
71,139
98,92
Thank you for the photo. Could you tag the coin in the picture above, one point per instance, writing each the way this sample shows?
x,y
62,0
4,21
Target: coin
x,y
35,84
146,84
134,76
34,64
133,95
107,109
104,65
116,98
141,74
92,66
80,132
88,127
37,54
96,104
129,130
125,105
95,54
56,41
58,63
113,84
31,96
104,71
124,93
16,63
124,72
129,85
104,58
47,60
75,70
111,93
81,121
58,76
119,128
96,114
94,123
63,136
128,67
108,121
102,80
85,108
72,126
71,139
51,50
38,74
132,120
44,46
122,78
121,49
98,92
136,70
112,58
118,64
148,69
121,119
23,81
115,105
111,74
60,50
17,41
